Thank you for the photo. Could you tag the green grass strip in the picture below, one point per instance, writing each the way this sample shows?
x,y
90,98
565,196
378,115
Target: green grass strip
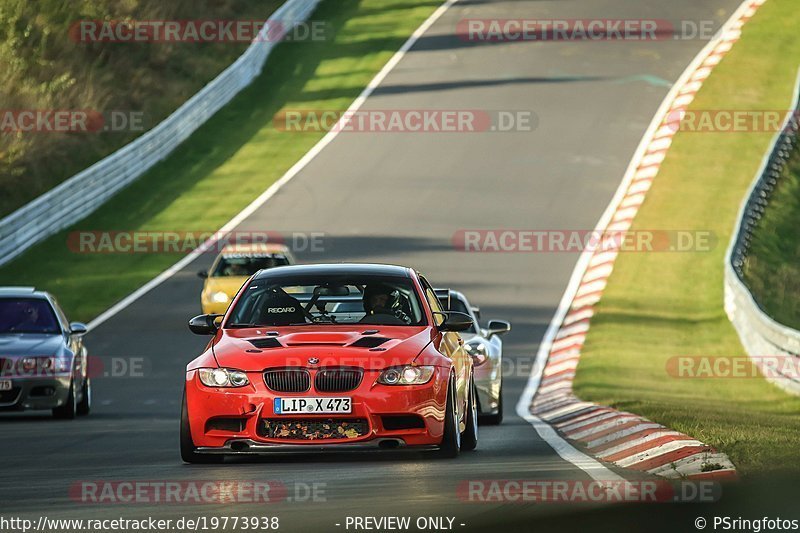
x,y
660,305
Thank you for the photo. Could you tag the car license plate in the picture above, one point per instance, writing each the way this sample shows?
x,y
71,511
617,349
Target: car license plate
x,y
290,406
5,384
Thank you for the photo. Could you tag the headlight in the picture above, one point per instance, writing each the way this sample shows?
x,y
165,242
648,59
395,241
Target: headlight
x,y
219,298
478,350
28,365
406,375
222,377
38,366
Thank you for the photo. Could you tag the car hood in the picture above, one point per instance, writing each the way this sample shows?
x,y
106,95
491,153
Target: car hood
x,y
24,344
230,285
255,349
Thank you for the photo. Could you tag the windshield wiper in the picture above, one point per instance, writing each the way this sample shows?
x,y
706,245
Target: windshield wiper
x,y
243,325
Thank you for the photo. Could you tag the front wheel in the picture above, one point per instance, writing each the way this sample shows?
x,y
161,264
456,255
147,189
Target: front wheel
x,y
469,439
85,405
451,440
188,450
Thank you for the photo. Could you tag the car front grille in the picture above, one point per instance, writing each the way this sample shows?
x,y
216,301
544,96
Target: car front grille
x,y
337,379
288,380
313,428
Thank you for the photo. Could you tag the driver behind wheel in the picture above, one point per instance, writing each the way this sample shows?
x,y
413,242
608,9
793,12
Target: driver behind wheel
x,y
381,305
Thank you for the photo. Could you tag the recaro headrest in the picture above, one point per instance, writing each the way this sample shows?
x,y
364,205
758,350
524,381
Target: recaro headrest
x,y
280,309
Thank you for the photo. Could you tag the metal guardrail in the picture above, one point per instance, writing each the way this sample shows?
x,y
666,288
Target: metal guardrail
x,y
760,334
83,193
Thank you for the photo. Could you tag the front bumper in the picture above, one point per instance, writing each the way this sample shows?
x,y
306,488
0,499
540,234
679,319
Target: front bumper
x,y
35,393
251,447
371,402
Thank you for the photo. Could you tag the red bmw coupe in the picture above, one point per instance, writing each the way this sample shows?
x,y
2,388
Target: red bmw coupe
x,y
330,357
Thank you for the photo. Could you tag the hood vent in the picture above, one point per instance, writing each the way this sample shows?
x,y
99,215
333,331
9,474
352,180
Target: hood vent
x,y
269,342
369,342
314,344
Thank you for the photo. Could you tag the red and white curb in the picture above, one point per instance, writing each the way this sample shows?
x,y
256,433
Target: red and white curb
x,y
625,439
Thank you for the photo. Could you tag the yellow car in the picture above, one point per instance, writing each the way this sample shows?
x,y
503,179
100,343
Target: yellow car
x,y
233,266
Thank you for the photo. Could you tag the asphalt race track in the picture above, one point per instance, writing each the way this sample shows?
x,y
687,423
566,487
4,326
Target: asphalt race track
x,y
396,198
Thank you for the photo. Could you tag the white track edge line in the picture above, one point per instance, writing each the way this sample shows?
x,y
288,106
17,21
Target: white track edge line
x,y
568,452
291,173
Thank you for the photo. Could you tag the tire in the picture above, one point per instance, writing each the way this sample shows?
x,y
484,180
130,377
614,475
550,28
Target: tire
x,y
469,439
85,405
188,450
497,418
451,440
70,408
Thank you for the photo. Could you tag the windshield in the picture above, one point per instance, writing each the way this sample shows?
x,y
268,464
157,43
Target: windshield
x,y
27,315
362,299
457,304
246,264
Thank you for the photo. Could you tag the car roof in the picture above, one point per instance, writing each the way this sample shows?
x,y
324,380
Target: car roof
x,y
21,292
243,248
336,269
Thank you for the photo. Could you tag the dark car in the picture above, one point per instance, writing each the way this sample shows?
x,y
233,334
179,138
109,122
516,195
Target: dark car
x,y
43,362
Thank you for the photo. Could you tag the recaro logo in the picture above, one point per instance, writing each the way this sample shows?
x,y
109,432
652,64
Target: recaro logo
x,y
280,310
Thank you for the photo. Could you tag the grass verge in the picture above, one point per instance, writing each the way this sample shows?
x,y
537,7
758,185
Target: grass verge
x,y
660,305
772,267
230,160
43,67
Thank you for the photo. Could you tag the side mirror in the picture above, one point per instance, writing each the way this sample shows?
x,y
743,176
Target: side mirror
x,y
477,311
202,274
204,324
454,321
78,328
497,327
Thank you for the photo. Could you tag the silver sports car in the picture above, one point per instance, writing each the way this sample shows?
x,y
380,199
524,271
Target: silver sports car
x,y
43,361
486,349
